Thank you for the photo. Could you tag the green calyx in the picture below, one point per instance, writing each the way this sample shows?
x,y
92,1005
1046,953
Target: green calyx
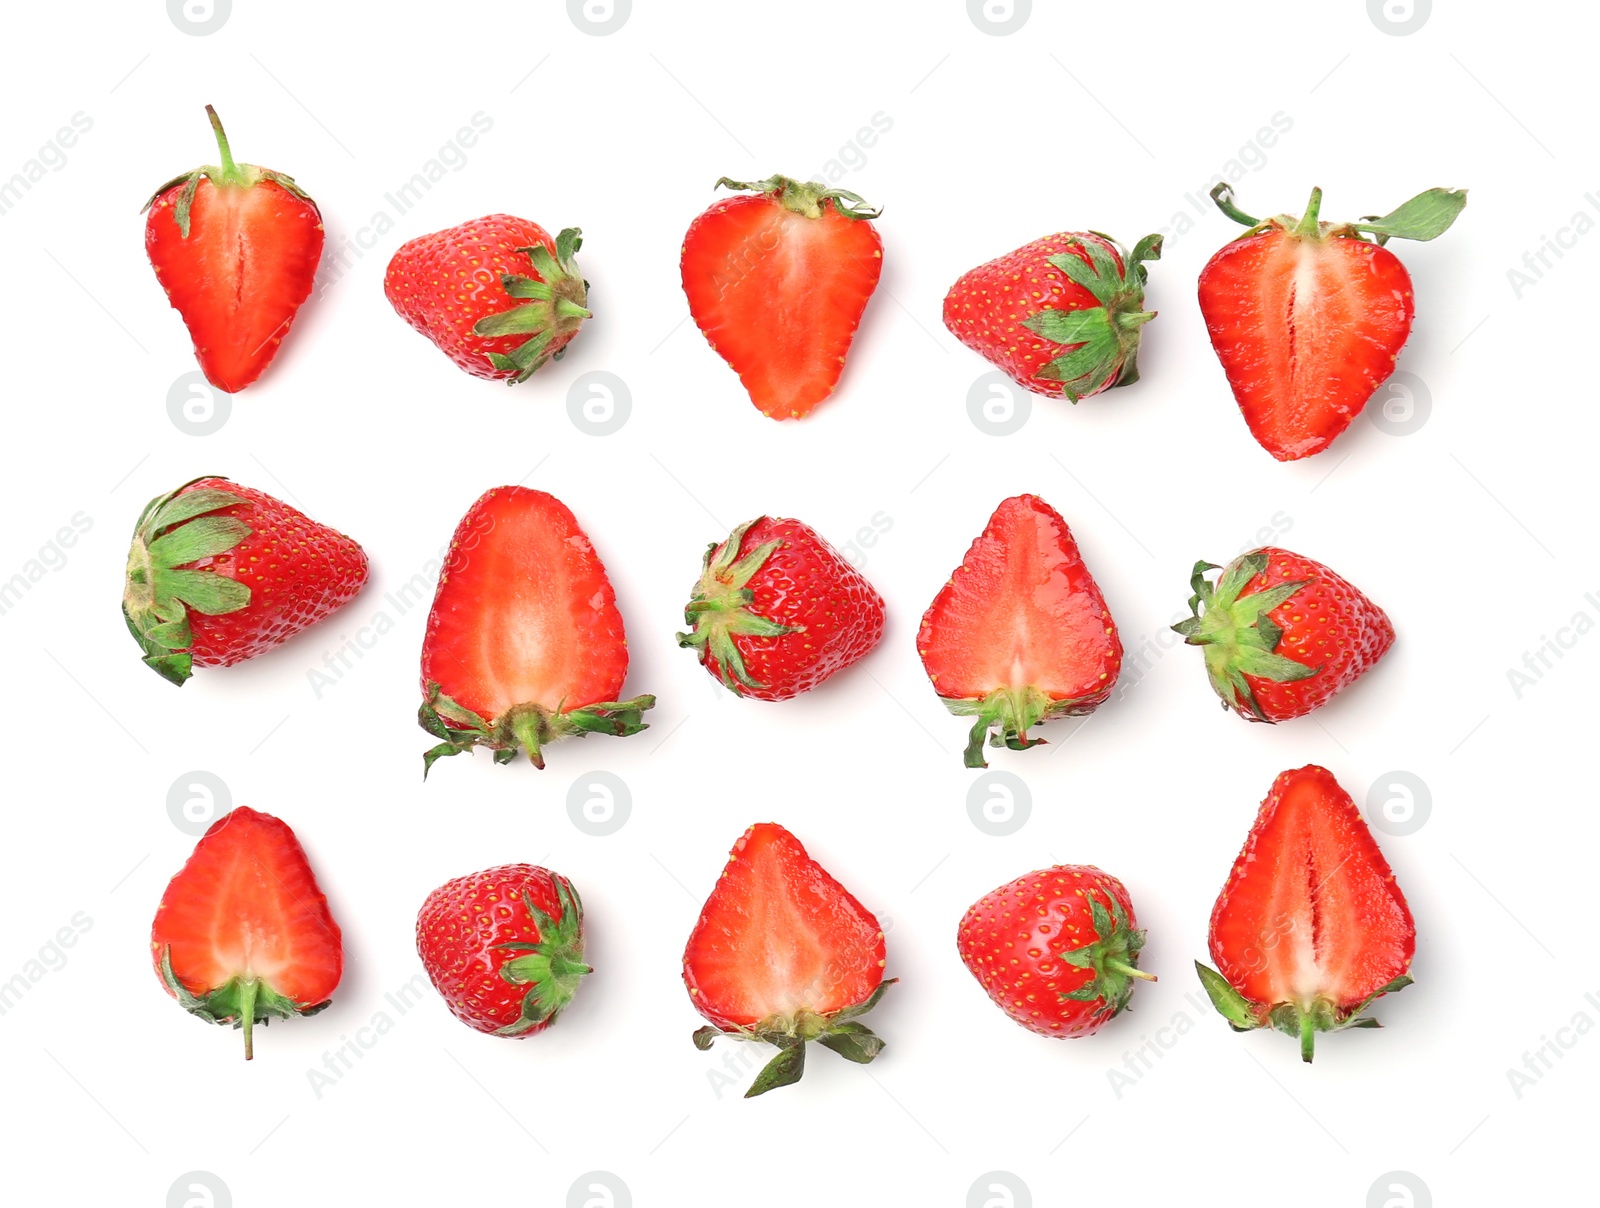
x,y
553,306
1113,958
1103,341
1426,216
226,175
1301,1020
528,727
836,1030
1238,637
242,1002
805,196
174,531
551,968
719,609
1006,715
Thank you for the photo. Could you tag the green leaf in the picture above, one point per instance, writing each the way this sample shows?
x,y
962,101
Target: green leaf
x,y
526,287
206,592
190,504
782,1070
1083,274
518,321
704,1037
1071,326
1274,667
205,537
1426,216
1230,1004
853,1041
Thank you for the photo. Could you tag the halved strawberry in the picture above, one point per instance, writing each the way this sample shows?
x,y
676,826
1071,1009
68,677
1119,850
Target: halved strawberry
x,y
777,280
1020,634
782,953
1311,927
524,644
1308,317
243,934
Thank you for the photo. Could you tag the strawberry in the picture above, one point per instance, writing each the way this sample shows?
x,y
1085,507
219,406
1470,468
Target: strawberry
x,y
497,295
1310,927
236,248
1057,949
782,953
524,644
1282,633
778,610
777,280
219,573
1080,297
1020,633
504,947
243,934
1307,317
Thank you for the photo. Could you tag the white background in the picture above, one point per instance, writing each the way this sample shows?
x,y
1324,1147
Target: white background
x,y
1473,531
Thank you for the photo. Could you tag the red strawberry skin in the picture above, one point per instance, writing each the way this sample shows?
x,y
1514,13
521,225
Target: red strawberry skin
x,y
1311,925
778,610
236,256
244,928
1016,940
1331,634
777,281
462,932
524,640
448,283
293,572
1020,633
995,308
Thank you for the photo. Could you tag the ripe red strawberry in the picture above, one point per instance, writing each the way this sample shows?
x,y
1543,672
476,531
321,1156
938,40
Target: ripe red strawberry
x,y
524,645
1282,633
1057,949
243,934
777,281
778,610
236,248
1307,317
504,947
219,573
1310,927
1020,634
782,953
497,295
1061,315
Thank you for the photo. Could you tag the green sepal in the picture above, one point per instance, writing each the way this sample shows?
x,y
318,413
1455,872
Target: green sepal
x,y
1426,216
1102,343
551,968
1113,959
1006,715
553,306
1237,636
1241,1015
1303,1021
805,196
527,727
835,1030
159,593
227,174
242,1002
719,608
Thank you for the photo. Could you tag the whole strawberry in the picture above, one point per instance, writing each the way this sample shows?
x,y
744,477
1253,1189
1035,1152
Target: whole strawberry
x,y
1061,315
236,248
1282,633
1057,949
778,610
218,573
504,947
497,295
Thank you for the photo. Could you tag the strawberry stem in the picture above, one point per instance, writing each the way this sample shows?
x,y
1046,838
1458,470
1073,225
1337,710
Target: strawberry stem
x,y
230,170
1129,971
1222,194
1308,1035
247,1013
1308,227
